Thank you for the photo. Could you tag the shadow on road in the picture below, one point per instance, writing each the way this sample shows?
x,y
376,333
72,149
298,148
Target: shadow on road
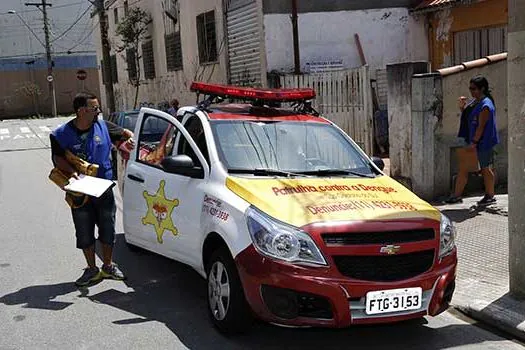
x,y
40,297
461,214
173,294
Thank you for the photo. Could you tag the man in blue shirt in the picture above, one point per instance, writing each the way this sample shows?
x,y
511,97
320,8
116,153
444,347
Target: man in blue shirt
x,y
90,139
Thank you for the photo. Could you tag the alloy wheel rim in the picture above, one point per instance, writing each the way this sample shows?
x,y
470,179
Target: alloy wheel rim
x,y
219,291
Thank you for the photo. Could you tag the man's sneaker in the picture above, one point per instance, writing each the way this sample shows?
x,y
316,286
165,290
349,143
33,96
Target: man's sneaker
x,y
454,200
90,275
486,200
112,272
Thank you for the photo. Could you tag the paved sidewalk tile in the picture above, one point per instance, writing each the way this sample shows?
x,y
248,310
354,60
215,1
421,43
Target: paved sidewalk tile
x,y
482,283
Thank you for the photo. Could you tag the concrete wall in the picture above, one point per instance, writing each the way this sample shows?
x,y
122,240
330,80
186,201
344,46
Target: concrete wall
x,y
427,111
168,85
24,91
444,23
400,118
456,85
424,122
388,35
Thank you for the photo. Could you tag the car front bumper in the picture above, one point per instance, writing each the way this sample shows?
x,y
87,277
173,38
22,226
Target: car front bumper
x,y
327,288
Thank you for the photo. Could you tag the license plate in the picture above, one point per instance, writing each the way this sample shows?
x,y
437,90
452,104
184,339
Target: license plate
x,y
394,300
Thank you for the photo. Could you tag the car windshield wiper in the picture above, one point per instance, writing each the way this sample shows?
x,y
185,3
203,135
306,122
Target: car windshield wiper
x,y
264,172
328,172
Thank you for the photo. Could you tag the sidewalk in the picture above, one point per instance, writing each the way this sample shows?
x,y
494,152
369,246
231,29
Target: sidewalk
x,y
482,283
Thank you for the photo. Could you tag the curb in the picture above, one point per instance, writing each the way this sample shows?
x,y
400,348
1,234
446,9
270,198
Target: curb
x,y
504,320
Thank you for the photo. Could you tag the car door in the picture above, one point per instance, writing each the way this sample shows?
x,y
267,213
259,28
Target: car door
x,y
162,209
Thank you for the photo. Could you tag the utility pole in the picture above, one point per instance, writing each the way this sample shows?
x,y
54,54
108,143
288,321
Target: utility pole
x,y
516,108
295,28
106,58
42,6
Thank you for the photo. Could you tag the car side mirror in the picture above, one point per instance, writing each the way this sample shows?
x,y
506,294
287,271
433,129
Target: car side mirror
x,y
379,163
182,165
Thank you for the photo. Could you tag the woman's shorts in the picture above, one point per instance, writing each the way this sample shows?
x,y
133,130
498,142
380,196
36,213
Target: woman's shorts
x,y
486,158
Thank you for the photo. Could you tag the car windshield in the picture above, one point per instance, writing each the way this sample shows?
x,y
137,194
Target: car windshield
x,y
287,146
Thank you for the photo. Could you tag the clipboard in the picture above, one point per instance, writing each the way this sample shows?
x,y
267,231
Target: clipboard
x,y
89,185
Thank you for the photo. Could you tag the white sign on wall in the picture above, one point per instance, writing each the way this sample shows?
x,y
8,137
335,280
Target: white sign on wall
x,y
320,66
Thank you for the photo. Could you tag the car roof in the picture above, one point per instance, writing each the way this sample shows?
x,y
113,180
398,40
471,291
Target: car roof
x,y
248,112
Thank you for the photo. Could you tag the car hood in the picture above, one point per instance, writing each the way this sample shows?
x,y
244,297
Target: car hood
x,y
304,201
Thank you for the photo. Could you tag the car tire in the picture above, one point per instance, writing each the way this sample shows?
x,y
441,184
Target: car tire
x,y
227,307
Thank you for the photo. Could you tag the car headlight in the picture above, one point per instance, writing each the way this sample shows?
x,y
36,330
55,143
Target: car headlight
x,y
280,241
447,237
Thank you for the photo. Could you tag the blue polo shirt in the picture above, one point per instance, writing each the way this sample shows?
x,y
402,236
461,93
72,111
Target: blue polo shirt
x,y
489,137
92,145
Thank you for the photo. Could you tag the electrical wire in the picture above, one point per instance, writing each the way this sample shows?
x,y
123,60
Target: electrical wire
x,y
72,25
31,30
86,37
51,8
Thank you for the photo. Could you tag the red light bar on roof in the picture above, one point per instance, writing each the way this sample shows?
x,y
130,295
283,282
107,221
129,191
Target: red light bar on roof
x,y
280,95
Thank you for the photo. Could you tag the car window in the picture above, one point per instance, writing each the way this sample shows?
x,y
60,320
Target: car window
x,y
128,121
157,139
196,131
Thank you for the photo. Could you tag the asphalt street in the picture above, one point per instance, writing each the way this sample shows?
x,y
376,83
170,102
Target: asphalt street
x,y
161,305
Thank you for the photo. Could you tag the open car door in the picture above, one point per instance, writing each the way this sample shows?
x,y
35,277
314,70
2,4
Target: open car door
x,y
163,187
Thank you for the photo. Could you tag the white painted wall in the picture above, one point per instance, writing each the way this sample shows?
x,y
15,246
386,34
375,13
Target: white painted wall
x,y
169,85
387,36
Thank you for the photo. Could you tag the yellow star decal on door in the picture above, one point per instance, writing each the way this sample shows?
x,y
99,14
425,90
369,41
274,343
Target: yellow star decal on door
x,y
159,212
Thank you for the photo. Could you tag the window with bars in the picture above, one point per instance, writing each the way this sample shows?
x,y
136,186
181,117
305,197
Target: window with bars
x,y
115,15
473,44
172,37
148,60
131,58
173,51
207,37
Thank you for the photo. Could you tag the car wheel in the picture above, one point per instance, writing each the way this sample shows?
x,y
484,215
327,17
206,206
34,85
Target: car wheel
x,y
227,305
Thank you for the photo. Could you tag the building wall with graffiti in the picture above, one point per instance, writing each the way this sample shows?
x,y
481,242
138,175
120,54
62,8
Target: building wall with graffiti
x,y
170,61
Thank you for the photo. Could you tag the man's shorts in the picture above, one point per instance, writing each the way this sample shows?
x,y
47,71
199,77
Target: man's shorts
x,y
486,158
97,211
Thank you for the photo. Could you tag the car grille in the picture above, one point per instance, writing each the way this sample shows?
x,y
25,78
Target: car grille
x,y
385,268
387,237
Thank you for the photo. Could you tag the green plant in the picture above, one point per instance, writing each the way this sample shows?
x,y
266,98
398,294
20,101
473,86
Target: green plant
x,y
132,30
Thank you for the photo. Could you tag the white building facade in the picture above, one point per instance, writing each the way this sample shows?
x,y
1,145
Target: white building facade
x,y
241,41
171,55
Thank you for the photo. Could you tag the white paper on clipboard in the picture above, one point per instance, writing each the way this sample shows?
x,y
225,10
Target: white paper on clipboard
x,y
92,186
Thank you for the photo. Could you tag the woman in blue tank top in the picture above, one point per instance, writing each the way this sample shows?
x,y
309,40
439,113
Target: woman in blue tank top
x,y
478,128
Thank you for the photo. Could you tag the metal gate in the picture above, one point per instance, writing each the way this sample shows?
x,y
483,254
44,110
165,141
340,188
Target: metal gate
x,y
244,42
343,97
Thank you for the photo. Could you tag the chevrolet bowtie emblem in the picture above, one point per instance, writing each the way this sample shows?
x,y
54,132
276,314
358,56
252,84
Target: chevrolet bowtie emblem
x,y
390,249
